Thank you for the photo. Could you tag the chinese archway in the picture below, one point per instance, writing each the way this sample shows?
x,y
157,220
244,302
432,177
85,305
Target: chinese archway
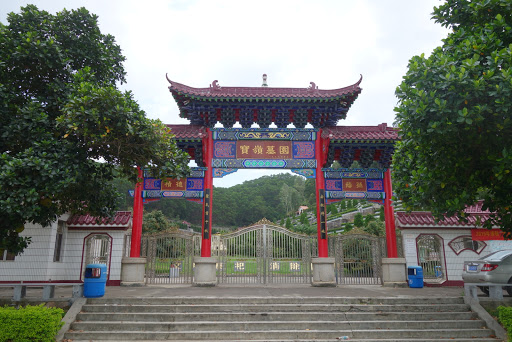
x,y
310,152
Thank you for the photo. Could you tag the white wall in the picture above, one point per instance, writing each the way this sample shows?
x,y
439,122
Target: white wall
x,y
454,262
36,262
73,254
32,265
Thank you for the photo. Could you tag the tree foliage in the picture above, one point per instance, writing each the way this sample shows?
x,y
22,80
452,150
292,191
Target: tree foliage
x,y
60,114
154,222
376,228
359,220
454,115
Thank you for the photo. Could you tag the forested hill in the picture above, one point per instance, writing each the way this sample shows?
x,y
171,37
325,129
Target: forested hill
x,y
271,197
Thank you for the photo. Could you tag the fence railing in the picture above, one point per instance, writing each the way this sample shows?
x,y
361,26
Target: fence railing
x,y
170,258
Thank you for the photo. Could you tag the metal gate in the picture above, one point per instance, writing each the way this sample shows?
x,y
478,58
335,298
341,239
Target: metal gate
x,y
169,257
431,257
264,253
358,259
98,249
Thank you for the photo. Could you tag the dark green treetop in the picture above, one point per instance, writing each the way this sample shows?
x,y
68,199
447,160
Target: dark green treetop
x,y
66,130
455,116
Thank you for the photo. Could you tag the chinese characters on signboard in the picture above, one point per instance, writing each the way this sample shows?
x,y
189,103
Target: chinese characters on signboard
x,y
486,234
264,150
206,221
174,184
323,226
239,266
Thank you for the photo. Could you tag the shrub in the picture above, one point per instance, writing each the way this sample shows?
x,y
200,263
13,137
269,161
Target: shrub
x,y
505,318
30,323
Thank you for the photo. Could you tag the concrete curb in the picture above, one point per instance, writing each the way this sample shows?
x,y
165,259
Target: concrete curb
x,y
70,317
489,321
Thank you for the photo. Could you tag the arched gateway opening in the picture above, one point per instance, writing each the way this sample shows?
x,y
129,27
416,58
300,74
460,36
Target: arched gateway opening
x,y
219,151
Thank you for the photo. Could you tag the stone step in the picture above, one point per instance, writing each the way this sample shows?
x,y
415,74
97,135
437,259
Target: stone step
x,y
278,307
228,319
273,316
338,339
274,326
279,335
275,300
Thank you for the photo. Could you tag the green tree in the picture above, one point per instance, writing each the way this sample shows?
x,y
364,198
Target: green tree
x,y
286,196
454,114
288,223
123,186
343,205
303,219
381,214
375,228
154,221
60,112
333,209
368,218
359,220
348,227
305,229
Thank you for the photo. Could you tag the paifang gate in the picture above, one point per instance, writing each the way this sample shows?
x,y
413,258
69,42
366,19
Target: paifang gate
x,y
219,151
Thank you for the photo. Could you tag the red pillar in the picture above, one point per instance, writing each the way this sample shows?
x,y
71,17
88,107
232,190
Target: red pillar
x,y
206,241
389,215
320,152
138,209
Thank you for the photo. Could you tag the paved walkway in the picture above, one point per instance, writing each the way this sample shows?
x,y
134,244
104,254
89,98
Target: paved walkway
x,y
285,290
290,290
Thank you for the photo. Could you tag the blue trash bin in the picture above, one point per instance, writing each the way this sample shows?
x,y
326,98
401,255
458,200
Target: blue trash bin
x,y
95,280
438,272
415,276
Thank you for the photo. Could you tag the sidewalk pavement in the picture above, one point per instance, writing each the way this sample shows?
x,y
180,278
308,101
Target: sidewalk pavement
x,y
280,290
238,290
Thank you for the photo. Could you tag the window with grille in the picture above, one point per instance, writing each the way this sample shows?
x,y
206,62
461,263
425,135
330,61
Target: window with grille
x,y
465,242
59,237
5,255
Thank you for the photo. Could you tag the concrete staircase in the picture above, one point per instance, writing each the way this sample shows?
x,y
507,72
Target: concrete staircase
x,y
278,319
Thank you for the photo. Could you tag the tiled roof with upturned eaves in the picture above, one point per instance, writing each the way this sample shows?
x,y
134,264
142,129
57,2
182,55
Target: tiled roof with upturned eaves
x,y
187,132
361,133
216,91
423,219
120,219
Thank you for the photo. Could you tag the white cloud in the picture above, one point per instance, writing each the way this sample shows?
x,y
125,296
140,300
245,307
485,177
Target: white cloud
x,y
330,42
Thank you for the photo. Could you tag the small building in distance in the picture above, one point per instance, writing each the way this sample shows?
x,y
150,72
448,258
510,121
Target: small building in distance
x,y
302,208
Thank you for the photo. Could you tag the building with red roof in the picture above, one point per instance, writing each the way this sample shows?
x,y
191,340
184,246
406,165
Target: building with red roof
x,y
59,252
442,246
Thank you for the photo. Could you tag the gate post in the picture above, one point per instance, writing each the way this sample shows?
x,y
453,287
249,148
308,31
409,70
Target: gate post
x,y
320,151
323,266
389,216
393,267
205,271
206,241
132,268
138,209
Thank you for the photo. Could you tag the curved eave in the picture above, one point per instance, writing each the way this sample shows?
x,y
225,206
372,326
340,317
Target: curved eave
x,y
425,219
262,93
187,132
363,134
